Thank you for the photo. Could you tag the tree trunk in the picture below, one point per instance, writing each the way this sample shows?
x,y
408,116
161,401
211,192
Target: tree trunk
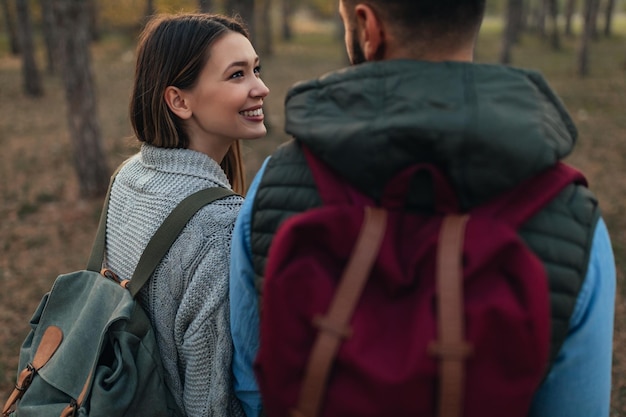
x,y
10,27
94,27
72,24
264,28
513,12
49,35
594,20
542,10
570,9
206,6
244,9
608,18
585,39
30,73
286,14
555,40
150,11
519,20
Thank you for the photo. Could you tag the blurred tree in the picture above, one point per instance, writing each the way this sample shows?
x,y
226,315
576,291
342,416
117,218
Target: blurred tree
x,y
541,11
94,26
286,14
585,39
522,20
71,19
340,30
570,9
150,10
49,35
245,9
594,20
324,8
512,23
608,17
10,27
340,34
555,39
264,37
30,73
206,6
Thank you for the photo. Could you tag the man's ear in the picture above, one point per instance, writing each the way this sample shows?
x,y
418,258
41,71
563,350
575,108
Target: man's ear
x,y
175,100
371,32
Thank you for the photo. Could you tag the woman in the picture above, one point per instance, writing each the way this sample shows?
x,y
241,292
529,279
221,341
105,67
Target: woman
x,y
197,92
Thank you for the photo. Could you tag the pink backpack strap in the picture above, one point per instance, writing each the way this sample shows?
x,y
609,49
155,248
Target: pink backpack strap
x,y
517,205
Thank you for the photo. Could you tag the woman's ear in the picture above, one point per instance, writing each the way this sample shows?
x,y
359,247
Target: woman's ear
x,y
371,32
175,100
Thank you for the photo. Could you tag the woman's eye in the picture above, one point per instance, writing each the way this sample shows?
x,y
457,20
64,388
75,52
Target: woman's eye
x,y
238,74
257,70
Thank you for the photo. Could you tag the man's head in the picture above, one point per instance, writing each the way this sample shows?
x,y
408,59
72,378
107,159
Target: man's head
x,y
418,29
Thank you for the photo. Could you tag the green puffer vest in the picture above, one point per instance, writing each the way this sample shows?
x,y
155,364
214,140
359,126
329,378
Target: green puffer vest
x,y
488,128
561,234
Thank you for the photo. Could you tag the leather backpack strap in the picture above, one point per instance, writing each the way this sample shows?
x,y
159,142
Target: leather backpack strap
x,y
451,347
71,410
168,232
335,325
50,342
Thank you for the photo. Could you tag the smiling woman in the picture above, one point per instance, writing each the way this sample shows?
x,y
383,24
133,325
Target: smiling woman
x,y
180,92
226,102
197,93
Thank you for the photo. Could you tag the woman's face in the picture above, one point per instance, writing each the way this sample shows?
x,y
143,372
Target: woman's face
x,y
226,102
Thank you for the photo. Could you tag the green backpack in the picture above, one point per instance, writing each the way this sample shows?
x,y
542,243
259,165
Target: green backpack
x,y
92,350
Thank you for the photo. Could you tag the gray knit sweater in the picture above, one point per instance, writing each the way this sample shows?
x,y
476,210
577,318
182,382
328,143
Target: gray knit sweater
x,y
187,296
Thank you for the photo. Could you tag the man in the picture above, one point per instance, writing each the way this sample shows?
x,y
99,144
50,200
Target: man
x,y
414,95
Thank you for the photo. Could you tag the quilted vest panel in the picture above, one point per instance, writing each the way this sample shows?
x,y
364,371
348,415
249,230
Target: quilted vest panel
x,y
561,234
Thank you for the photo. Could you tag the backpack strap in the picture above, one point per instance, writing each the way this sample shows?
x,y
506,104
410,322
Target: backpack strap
x,y
333,327
71,410
163,238
451,347
50,342
168,232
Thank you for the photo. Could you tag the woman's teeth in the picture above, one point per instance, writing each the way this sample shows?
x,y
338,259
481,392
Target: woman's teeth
x,y
253,113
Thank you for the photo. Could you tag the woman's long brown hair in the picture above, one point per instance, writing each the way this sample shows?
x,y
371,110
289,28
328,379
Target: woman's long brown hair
x,y
172,51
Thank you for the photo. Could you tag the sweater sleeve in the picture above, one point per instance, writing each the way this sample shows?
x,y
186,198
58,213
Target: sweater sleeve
x,y
202,332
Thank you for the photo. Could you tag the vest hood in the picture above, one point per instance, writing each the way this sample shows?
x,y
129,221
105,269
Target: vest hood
x,y
489,127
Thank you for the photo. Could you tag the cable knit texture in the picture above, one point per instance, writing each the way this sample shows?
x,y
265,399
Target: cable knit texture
x,y
187,296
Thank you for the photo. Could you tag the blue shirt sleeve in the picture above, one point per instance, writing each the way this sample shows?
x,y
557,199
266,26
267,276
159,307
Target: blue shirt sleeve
x,y
244,311
579,383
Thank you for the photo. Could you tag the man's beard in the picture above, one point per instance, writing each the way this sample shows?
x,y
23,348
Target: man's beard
x,y
358,56
356,53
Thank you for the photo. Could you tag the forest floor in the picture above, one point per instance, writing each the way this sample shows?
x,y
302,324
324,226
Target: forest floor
x,y
46,229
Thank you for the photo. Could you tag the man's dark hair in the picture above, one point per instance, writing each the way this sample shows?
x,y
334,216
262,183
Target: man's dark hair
x,y
428,19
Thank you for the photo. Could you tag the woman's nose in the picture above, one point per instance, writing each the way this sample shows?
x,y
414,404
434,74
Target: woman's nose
x,y
260,89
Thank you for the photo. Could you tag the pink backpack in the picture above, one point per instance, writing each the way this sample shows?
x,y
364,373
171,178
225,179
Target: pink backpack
x,y
371,310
